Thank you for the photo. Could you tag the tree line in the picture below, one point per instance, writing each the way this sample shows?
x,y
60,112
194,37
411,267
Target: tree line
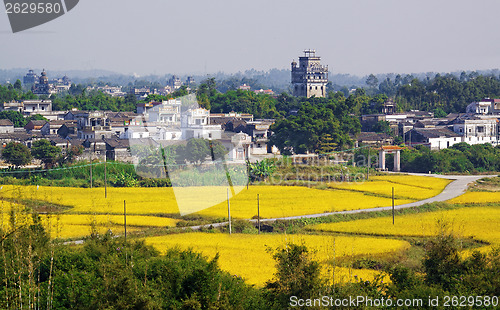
x,y
461,157
448,92
19,154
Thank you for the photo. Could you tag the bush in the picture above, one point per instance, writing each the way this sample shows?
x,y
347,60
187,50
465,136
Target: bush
x,y
297,275
242,226
155,183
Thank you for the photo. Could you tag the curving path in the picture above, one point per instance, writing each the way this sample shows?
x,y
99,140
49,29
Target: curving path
x,y
454,189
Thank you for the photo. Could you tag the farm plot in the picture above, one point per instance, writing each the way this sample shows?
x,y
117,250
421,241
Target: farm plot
x,y
248,256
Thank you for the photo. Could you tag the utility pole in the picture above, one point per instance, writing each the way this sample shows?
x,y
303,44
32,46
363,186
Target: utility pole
x,y
258,211
90,171
248,172
105,179
125,218
393,206
368,166
342,165
229,212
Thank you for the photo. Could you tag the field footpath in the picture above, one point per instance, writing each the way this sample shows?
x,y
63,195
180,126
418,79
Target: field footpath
x,y
456,188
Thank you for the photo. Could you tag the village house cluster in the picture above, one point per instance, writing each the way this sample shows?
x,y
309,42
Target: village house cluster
x,y
108,135
479,124
41,85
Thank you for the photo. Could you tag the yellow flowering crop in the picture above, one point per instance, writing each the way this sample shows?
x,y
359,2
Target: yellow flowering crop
x,y
20,216
282,201
476,198
382,187
91,200
246,255
81,231
103,219
276,201
482,223
81,225
431,183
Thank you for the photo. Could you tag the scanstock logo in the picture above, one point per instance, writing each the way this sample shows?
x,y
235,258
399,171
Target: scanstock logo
x,y
26,14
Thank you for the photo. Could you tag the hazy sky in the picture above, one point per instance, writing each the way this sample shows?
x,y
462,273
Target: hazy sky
x,y
198,36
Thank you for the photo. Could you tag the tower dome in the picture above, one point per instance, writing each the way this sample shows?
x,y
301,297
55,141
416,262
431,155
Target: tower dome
x,y
43,78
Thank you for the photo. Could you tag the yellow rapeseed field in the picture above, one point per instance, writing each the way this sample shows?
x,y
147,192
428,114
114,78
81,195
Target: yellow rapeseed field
x,y
80,231
282,201
81,225
64,225
276,201
247,255
90,206
413,180
102,219
13,215
382,187
482,223
477,198
86,200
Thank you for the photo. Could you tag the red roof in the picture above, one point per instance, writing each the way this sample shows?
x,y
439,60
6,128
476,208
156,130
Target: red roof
x,y
391,148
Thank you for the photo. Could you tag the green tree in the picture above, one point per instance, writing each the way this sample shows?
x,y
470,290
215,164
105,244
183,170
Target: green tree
x,y
382,127
46,152
438,113
17,154
197,150
182,91
15,117
217,150
71,154
372,81
130,102
442,261
18,85
316,118
260,105
296,275
153,97
326,144
387,87
36,117
262,170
